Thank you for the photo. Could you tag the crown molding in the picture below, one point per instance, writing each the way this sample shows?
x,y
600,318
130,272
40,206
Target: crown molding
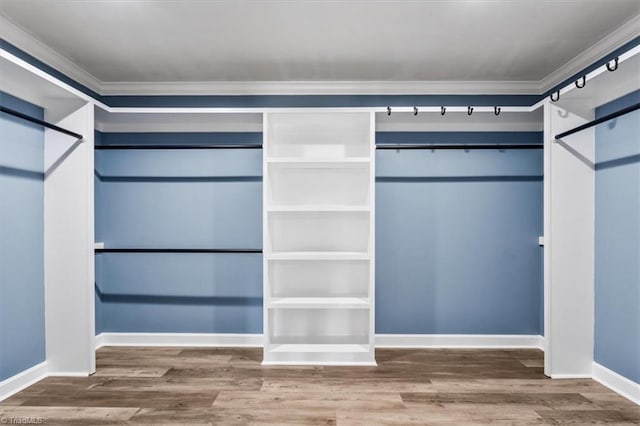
x,y
26,42
606,45
319,88
23,40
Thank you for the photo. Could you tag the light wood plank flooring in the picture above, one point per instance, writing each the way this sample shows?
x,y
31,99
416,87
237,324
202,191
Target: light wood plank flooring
x,y
229,386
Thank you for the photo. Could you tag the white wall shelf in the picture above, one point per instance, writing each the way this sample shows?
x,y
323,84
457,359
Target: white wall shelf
x,y
318,255
318,237
319,208
319,162
319,302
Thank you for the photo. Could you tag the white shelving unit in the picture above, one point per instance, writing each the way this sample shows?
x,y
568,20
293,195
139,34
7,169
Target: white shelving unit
x,y
318,237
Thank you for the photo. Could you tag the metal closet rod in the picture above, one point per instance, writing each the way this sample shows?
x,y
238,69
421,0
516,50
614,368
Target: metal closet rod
x,y
600,120
174,250
464,147
40,122
378,146
167,146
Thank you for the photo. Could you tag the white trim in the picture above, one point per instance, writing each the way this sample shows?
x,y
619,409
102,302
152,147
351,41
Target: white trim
x,y
179,339
68,374
323,363
261,88
259,110
570,376
34,47
45,75
608,44
22,380
593,74
99,341
617,383
504,341
459,341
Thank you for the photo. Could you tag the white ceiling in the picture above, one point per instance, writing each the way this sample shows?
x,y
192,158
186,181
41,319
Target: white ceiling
x,y
283,41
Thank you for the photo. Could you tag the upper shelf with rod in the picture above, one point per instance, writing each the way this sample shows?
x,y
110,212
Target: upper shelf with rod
x,y
614,80
611,81
43,123
28,83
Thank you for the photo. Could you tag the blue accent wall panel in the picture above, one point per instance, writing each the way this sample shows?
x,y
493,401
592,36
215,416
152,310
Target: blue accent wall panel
x,y
617,241
459,165
179,199
457,240
22,332
316,101
178,315
181,214
227,276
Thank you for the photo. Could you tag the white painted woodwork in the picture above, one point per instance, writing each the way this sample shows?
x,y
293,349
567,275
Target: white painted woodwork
x,y
27,82
118,119
319,278
603,86
569,221
569,245
68,215
318,237
69,235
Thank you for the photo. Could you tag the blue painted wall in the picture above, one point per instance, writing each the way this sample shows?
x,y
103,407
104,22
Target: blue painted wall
x,y
438,215
457,237
179,199
22,335
617,240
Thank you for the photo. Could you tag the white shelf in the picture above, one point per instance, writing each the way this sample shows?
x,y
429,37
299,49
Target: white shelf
x,y
320,303
318,347
319,208
318,232
306,162
318,255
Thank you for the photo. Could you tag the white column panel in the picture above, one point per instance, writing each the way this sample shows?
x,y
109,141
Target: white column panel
x,y
69,265
569,245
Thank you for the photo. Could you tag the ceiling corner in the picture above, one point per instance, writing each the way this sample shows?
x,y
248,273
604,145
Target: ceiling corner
x,y
36,48
609,43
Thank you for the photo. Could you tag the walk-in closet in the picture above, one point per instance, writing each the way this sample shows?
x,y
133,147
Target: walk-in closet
x,y
209,214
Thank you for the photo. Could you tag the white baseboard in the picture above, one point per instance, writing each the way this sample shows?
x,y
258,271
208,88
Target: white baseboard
x,y
477,341
570,376
179,339
382,340
24,379
67,374
99,341
617,383
322,363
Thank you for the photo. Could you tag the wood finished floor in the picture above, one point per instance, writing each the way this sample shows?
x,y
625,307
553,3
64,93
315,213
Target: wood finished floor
x,y
229,386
